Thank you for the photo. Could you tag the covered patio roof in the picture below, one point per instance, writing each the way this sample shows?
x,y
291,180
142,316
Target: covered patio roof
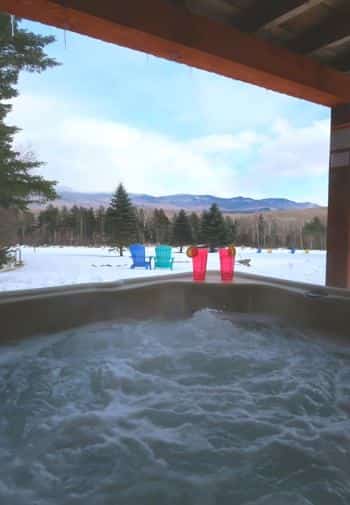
x,y
297,47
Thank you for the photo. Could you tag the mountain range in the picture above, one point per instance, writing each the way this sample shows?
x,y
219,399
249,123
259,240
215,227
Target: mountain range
x,y
238,204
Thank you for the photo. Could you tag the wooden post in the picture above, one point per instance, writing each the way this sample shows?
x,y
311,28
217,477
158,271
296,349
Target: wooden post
x,y
338,233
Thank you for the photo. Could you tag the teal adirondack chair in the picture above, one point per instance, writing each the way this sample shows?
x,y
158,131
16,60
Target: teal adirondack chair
x,y
163,258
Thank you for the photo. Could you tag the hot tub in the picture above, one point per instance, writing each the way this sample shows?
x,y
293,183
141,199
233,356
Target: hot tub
x,y
173,392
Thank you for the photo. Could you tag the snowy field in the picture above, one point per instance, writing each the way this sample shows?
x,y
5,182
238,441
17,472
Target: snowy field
x,y
58,266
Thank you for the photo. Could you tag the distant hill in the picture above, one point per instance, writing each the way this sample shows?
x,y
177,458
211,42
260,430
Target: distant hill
x,y
237,204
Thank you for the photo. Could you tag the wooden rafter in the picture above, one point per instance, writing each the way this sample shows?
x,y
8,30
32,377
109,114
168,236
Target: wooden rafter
x,y
265,12
342,61
290,13
334,29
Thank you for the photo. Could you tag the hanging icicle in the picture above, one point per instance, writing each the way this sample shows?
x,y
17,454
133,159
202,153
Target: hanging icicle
x,y
63,2
12,18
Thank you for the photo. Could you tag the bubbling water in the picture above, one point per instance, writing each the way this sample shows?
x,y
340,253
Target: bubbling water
x,y
215,409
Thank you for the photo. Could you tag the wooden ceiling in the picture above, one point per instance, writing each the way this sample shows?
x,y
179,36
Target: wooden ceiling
x,y
319,29
297,47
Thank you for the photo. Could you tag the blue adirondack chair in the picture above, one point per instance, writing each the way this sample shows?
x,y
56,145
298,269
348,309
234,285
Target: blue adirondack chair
x,y
138,255
163,258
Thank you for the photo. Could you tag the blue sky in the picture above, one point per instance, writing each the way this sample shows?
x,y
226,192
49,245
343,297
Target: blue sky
x,y
109,114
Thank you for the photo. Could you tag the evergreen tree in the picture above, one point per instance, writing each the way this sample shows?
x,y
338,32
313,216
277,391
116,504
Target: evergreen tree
x,y
182,233
65,221
315,232
74,222
122,219
5,255
213,229
90,220
148,229
231,230
195,223
8,233
160,226
48,220
19,50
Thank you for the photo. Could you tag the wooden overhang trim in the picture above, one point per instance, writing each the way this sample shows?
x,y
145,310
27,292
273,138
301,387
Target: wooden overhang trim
x,y
165,30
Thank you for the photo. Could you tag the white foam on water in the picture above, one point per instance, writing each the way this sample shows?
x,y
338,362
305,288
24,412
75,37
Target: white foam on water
x,y
218,408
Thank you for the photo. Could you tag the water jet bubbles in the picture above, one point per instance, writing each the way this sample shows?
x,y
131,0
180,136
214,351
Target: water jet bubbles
x,y
216,408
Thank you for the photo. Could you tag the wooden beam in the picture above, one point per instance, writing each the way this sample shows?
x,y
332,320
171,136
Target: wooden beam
x,y
342,61
334,29
264,12
338,229
298,9
162,29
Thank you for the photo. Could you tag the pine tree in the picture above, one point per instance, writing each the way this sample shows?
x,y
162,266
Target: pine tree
x,y
195,223
122,219
90,220
161,227
213,228
315,232
231,230
182,233
8,233
19,50
48,220
74,222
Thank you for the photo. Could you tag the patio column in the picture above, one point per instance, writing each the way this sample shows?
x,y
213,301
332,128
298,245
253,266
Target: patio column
x,y
338,235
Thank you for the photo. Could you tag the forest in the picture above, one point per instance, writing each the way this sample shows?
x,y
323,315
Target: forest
x,y
121,224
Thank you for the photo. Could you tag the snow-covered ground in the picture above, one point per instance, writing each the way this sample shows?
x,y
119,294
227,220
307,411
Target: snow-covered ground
x,y
58,266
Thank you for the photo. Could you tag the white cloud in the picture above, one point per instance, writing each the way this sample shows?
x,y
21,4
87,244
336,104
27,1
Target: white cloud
x,y
226,142
292,162
91,154
296,151
230,105
94,155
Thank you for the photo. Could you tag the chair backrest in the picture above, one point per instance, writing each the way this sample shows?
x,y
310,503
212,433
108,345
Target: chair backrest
x,y
163,256
163,252
138,253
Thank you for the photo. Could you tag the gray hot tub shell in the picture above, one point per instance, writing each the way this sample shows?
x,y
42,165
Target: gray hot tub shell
x,y
43,311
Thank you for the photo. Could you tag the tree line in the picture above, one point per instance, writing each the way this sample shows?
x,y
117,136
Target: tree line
x,y
285,230
121,224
